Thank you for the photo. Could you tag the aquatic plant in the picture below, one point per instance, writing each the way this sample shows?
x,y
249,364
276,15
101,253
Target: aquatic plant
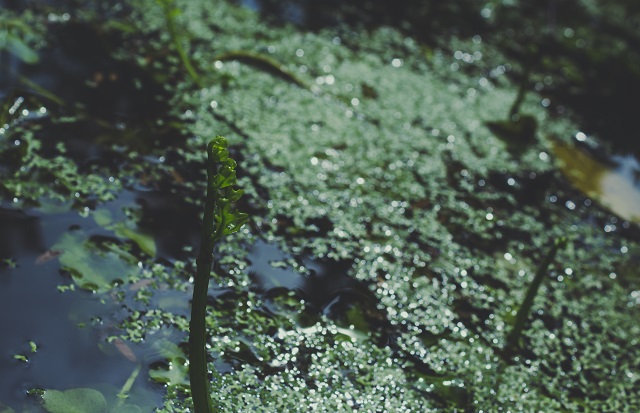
x,y
254,59
513,339
264,63
219,220
15,38
89,400
170,13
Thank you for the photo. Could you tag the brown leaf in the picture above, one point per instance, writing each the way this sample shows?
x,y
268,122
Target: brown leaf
x,y
124,349
47,256
140,284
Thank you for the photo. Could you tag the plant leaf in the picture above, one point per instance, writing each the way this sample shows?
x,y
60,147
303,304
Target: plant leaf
x,y
175,369
226,175
91,268
74,401
227,221
145,241
217,149
21,50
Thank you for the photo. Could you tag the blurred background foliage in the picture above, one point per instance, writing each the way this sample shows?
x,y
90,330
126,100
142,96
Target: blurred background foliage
x,y
580,54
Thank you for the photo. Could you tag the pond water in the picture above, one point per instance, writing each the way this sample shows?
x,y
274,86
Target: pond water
x,y
403,185
52,339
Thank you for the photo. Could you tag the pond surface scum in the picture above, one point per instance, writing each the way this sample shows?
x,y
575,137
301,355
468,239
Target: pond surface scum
x,y
405,171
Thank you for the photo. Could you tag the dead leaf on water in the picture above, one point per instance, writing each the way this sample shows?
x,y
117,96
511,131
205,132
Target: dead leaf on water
x,y
47,256
124,349
139,285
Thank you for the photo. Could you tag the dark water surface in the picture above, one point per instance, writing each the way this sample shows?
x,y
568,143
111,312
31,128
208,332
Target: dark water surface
x,y
69,329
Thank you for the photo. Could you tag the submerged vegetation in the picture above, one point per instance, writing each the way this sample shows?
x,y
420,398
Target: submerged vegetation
x,y
401,189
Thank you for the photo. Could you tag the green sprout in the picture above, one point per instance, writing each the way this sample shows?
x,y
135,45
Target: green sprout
x,y
21,357
219,220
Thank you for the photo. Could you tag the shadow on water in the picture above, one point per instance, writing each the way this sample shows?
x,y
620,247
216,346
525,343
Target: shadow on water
x,y
59,337
323,284
174,224
326,288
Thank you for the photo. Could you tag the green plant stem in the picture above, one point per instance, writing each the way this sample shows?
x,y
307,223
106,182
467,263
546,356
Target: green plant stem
x,y
186,62
522,91
41,91
126,388
219,220
197,327
170,14
265,63
515,334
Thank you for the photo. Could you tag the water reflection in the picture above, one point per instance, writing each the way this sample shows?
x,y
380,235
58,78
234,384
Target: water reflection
x,y
20,232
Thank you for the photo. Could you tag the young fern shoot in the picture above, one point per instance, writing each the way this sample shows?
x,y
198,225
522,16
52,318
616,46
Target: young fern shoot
x,y
219,220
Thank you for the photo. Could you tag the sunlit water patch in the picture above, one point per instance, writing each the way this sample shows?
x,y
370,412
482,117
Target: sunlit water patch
x,y
613,181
